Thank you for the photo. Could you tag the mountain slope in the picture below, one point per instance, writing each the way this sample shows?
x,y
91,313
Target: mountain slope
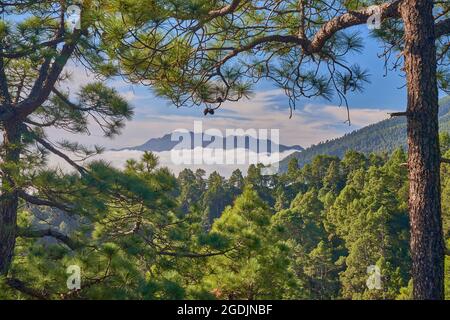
x,y
165,143
384,136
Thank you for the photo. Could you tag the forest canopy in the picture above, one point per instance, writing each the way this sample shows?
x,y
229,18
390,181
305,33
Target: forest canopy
x,y
310,233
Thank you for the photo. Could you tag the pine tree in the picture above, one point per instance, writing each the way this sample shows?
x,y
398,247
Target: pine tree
x,y
375,231
256,267
36,47
221,49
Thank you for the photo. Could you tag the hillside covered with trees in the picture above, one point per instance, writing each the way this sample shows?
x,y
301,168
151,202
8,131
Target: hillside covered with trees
x,y
384,136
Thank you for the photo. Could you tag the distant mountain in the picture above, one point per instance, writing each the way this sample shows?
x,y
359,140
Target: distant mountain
x,y
384,136
165,143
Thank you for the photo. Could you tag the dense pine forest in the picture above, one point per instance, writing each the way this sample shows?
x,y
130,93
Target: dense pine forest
x,y
341,223
143,233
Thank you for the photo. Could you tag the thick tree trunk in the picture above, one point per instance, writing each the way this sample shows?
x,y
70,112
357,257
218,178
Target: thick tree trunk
x,y
8,197
427,245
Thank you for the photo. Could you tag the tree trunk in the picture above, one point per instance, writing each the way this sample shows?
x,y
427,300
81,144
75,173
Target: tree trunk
x,y
427,244
8,198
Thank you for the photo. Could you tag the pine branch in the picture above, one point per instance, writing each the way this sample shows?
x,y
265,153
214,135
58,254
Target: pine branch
x,y
64,99
224,10
43,202
352,18
47,79
442,28
398,114
52,149
22,287
40,233
192,254
31,49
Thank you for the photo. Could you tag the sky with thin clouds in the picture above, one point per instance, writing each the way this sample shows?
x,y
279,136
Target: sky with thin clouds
x,y
313,121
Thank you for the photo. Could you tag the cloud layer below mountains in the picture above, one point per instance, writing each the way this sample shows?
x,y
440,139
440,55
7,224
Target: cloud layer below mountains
x,y
202,158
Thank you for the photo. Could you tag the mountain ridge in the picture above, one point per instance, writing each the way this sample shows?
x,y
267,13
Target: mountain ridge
x,y
165,143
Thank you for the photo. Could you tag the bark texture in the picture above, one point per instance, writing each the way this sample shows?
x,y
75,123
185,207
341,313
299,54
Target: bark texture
x,y
427,245
8,197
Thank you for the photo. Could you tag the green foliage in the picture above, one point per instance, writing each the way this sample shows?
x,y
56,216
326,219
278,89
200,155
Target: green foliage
x,y
257,266
125,232
143,233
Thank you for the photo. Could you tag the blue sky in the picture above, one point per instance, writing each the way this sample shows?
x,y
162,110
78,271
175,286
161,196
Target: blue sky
x,y
383,91
313,121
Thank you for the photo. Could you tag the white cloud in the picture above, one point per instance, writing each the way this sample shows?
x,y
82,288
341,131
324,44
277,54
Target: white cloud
x,y
119,158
